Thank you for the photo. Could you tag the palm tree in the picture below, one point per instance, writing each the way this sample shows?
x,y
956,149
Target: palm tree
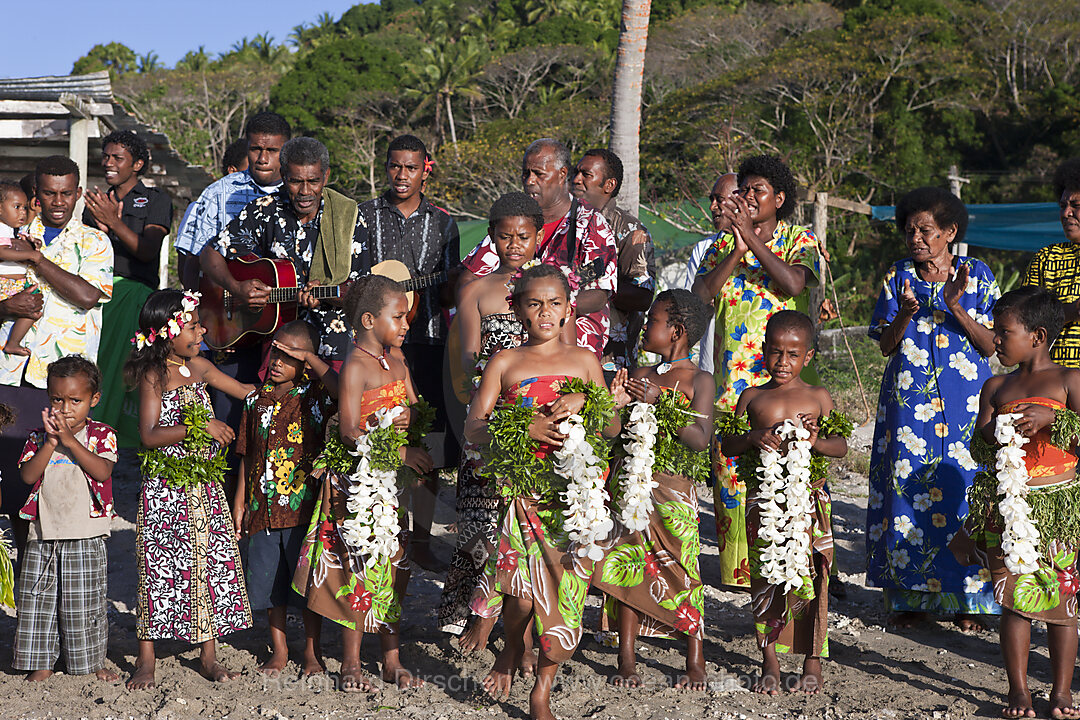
x,y
626,97
446,68
148,63
194,60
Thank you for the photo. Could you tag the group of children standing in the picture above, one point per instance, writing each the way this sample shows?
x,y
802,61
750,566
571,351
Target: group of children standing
x,y
583,480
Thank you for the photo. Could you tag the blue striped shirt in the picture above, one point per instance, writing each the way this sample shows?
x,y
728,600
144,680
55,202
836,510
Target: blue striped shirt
x,y
220,202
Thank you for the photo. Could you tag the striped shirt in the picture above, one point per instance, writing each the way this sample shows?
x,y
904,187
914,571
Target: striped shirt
x,y
1057,268
220,202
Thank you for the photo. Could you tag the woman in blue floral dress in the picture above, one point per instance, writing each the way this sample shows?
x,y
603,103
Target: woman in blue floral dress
x,y
933,320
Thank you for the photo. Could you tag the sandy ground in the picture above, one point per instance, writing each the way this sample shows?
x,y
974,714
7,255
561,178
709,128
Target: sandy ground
x,y
931,672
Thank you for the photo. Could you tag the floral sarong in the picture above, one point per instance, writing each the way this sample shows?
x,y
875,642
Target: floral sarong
x,y
796,621
656,571
336,582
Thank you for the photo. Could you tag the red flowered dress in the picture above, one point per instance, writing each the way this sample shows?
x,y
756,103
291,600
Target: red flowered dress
x,y
191,584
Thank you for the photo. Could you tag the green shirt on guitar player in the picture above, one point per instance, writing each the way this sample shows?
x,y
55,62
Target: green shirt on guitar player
x,y
268,227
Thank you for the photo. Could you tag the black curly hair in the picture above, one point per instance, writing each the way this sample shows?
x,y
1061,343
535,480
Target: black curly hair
x,y
408,143
612,163
235,155
515,204
776,172
791,320
947,209
368,295
1034,307
149,362
267,123
686,310
1067,178
7,415
55,166
72,365
536,272
131,142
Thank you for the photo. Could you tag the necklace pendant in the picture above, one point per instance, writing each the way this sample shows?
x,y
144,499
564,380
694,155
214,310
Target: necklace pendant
x,y
183,370
383,364
662,368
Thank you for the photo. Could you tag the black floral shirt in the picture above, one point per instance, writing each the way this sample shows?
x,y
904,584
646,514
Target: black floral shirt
x,y
268,227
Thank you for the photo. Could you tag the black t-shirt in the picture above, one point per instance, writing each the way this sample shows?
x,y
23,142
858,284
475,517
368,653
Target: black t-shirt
x,y
142,206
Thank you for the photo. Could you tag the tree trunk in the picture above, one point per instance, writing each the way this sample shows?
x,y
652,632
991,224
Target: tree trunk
x,y
450,118
626,97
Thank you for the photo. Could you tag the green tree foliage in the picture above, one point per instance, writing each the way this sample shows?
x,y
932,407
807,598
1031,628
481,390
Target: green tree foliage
x,y
115,57
326,78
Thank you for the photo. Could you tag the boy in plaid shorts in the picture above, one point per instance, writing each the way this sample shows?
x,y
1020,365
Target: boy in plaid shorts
x,y
69,461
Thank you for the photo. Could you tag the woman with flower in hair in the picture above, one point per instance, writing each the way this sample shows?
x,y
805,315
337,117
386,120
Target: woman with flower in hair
x,y
933,322
191,584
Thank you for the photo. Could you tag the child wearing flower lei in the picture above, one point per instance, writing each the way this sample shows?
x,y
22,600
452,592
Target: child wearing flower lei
x,y
651,577
353,567
486,324
183,513
548,445
1023,521
782,432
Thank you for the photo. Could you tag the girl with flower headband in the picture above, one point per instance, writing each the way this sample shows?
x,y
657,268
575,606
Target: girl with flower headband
x,y
486,323
191,584
666,435
547,441
353,567
1023,523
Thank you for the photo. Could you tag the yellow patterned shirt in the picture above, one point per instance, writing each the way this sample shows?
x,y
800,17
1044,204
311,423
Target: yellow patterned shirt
x,y
1057,268
64,328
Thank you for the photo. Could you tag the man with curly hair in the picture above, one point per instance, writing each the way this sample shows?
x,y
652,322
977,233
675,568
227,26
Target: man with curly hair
x,y
1057,267
762,265
136,218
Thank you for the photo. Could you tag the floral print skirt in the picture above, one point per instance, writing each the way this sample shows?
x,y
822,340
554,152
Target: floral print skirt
x,y
533,563
655,571
191,583
336,582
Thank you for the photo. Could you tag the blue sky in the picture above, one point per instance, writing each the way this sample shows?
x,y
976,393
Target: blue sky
x,y
47,39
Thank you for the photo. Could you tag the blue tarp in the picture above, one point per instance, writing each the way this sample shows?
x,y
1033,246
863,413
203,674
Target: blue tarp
x,y
1010,226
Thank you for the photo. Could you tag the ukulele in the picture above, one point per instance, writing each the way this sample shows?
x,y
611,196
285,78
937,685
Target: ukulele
x,y
229,322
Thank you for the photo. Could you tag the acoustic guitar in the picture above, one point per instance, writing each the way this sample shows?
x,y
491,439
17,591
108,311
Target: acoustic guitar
x,y
229,321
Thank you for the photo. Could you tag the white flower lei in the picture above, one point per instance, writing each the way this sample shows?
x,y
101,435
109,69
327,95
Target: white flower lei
x,y
1020,538
588,520
786,560
373,498
636,476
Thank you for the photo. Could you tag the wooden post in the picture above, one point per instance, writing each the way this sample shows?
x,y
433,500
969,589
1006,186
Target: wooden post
x,y
78,150
820,226
954,187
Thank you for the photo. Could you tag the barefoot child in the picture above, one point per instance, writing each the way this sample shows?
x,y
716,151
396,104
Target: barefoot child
x,y
651,577
545,559
69,462
787,422
190,580
353,567
14,212
281,433
1031,559
487,324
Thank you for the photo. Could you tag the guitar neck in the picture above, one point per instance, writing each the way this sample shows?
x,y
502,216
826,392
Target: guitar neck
x,y
424,281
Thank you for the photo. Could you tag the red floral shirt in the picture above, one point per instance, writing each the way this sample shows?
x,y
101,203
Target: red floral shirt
x,y
100,440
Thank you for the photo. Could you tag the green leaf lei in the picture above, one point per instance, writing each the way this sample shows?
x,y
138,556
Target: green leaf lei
x,y
386,442
510,458
199,464
728,424
1053,510
673,413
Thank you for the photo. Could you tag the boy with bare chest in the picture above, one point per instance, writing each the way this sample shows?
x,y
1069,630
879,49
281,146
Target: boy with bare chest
x,y
780,432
